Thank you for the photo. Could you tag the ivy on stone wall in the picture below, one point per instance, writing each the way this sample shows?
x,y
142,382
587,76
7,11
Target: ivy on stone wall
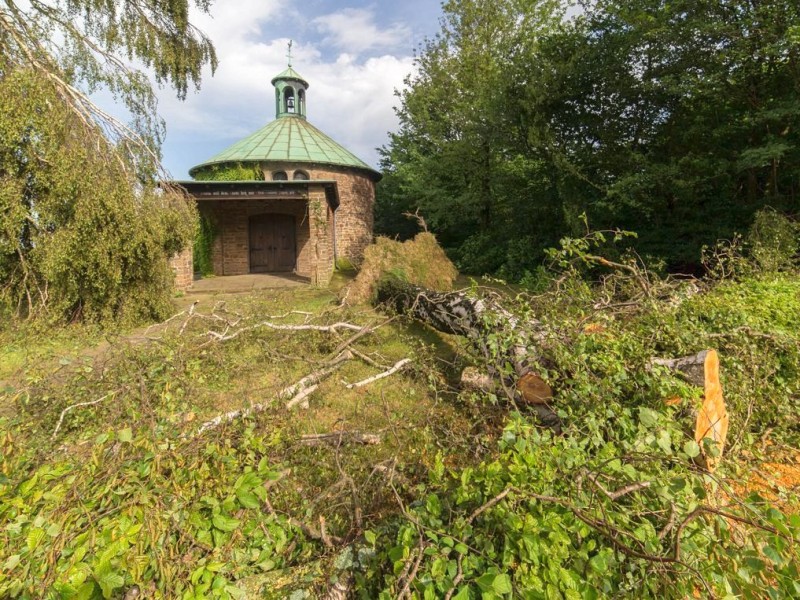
x,y
203,244
230,172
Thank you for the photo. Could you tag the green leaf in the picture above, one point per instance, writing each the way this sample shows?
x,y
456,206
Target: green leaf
x,y
598,563
247,499
502,584
463,593
125,435
647,417
664,441
691,448
370,537
224,523
86,591
11,562
108,579
485,582
34,537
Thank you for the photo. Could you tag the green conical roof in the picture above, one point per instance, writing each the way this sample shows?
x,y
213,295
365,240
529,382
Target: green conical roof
x,y
289,73
288,139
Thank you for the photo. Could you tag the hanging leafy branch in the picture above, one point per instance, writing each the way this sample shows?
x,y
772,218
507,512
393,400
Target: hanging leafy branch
x,y
83,46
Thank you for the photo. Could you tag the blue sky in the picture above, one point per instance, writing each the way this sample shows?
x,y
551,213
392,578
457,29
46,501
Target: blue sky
x,y
353,54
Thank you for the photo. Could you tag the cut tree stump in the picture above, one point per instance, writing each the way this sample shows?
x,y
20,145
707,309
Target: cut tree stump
x,y
534,390
711,417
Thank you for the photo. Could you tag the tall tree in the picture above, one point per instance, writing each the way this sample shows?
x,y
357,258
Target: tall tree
x,y
678,120
459,155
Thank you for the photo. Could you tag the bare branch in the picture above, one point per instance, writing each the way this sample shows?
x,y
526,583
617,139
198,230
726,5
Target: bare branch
x,y
78,405
337,438
397,366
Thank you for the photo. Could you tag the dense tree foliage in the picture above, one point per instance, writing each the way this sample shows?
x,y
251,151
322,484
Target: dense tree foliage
x,y
85,232
82,46
678,120
78,238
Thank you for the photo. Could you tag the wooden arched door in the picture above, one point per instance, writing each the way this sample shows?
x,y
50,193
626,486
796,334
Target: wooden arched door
x,y
272,243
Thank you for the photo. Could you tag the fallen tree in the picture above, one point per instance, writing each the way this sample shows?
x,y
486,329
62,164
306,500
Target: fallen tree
x,y
511,371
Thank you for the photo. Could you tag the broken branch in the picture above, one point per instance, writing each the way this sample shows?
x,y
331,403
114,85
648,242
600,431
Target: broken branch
x,y
78,405
337,438
293,391
397,366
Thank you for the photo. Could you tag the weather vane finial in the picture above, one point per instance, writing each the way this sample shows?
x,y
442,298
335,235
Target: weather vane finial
x,y
289,54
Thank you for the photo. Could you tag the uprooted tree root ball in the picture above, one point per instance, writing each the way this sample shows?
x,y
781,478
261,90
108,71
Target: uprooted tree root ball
x,y
420,261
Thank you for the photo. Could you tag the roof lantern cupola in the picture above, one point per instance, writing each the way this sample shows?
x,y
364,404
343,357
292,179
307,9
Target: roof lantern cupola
x,y
290,91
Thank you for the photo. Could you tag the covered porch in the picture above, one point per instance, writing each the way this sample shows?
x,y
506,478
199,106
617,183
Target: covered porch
x,y
269,227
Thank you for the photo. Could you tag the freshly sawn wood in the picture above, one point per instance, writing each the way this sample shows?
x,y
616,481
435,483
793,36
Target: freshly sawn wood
x,y
711,417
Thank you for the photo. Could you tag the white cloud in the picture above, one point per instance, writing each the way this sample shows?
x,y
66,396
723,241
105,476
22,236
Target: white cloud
x,y
353,30
349,98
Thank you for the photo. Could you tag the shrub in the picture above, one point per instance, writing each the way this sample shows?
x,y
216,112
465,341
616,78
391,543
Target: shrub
x,y
774,241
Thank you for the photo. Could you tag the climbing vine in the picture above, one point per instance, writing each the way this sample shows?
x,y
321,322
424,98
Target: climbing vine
x,y
203,245
230,172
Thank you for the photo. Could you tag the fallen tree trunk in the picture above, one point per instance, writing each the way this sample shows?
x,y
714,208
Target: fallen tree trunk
x,y
477,319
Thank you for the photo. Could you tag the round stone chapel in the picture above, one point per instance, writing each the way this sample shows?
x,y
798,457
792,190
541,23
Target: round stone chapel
x,y
309,203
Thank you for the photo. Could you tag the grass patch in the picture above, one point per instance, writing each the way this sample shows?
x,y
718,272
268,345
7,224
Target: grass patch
x,y
133,497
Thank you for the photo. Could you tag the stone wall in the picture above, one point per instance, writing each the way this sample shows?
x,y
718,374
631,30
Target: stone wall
x,y
181,265
321,246
354,217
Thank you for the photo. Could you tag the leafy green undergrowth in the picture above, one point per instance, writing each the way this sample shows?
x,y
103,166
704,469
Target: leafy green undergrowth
x,y
121,490
459,500
619,505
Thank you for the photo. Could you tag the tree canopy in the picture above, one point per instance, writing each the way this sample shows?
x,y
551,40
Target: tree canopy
x,y
85,232
678,120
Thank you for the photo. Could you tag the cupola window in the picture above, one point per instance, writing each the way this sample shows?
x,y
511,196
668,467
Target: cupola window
x,y
300,176
279,176
288,96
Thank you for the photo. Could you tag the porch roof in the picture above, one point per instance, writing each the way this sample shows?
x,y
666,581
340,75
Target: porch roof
x,y
258,190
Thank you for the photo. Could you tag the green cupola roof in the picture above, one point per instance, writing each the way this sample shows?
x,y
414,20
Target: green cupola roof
x,y
291,74
287,139
290,137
